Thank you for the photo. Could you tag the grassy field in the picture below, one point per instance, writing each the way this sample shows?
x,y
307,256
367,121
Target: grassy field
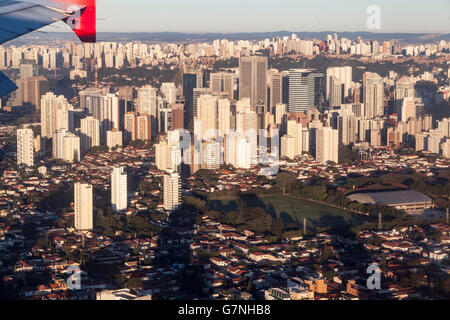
x,y
294,211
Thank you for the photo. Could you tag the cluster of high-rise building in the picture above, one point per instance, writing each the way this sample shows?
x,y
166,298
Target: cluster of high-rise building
x,y
85,57
232,116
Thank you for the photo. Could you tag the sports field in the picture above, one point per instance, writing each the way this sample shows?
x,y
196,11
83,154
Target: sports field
x,y
293,211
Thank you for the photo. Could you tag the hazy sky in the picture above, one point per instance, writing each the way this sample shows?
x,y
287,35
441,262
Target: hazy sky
x,y
274,15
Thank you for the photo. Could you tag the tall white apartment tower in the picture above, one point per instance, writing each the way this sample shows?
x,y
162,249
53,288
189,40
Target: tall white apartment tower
x,y
327,145
342,75
147,101
119,189
83,197
373,95
90,133
25,147
172,191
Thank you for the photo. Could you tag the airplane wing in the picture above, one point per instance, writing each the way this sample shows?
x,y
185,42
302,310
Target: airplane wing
x,y
19,17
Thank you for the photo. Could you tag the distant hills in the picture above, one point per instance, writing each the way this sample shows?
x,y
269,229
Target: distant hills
x,y
208,37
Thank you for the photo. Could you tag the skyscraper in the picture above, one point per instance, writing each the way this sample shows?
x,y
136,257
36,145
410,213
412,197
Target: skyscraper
x,y
279,89
222,82
54,114
190,82
138,127
305,90
169,92
83,197
253,79
33,89
119,189
207,115
90,133
327,145
344,76
25,147
172,191
373,95
404,88
146,101
71,147
114,138
295,130
336,90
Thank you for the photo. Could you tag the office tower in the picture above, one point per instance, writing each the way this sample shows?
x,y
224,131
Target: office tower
x,y
408,110
253,79
327,145
276,89
288,147
305,90
172,191
373,95
25,147
342,75
54,114
119,189
190,82
114,139
404,88
147,101
169,92
222,82
336,89
84,215
90,133
33,89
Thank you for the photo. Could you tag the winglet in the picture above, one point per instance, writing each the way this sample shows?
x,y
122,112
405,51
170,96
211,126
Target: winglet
x,y
6,85
83,20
